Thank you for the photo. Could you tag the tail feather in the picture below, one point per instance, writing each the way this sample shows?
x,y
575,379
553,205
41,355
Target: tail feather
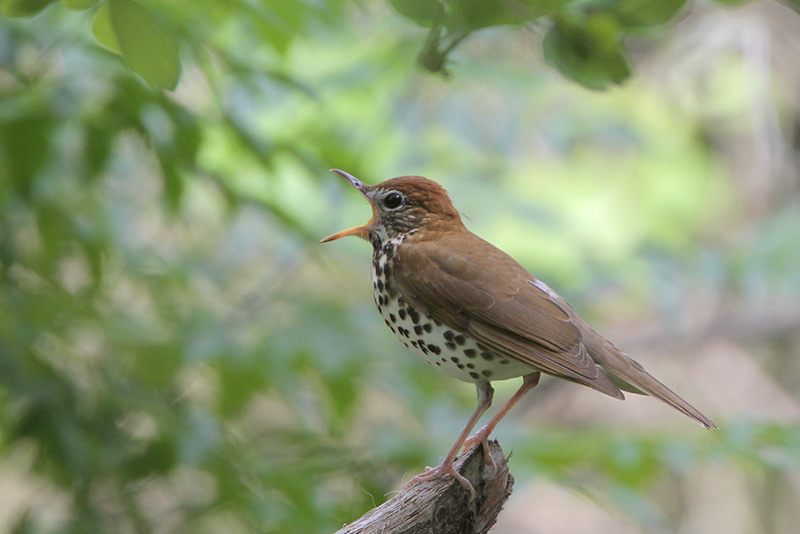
x,y
629,375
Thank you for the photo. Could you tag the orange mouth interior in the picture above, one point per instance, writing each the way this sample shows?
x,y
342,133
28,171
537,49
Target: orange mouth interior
x,y
359,231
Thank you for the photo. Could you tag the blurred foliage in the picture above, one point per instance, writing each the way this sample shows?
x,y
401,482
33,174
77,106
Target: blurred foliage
x,y
584,39
176,352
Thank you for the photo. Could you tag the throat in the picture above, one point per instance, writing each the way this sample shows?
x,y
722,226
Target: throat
x,y
384,252
383,245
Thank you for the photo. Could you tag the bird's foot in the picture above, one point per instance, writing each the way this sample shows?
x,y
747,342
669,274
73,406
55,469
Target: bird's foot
x,y
482,438
446,468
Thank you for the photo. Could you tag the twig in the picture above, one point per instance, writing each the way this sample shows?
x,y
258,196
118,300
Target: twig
x,y
443,506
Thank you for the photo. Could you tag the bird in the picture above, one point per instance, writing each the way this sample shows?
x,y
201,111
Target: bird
x,y
471,311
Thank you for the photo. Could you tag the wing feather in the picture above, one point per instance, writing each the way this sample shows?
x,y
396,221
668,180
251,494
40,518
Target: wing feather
x,y
457,280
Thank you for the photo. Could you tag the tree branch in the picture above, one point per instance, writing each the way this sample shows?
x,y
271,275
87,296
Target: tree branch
x,y
443,506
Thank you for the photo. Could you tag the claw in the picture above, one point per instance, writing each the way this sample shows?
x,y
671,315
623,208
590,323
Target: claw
x,y
432,473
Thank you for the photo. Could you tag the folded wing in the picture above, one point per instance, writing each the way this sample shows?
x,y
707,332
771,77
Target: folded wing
x,y
513,314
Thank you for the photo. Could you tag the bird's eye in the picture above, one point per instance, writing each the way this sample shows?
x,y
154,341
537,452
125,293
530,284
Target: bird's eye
x,y
392,200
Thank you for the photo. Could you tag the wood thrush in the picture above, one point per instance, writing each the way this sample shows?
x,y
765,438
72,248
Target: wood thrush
x,y
468,309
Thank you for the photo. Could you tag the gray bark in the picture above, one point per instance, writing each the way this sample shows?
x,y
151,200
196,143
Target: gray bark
x,y
444,506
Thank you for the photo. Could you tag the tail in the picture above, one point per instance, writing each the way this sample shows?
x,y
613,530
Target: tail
x,y
629,375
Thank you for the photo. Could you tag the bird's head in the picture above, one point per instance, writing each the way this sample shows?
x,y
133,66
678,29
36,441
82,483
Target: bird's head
x,y
401,205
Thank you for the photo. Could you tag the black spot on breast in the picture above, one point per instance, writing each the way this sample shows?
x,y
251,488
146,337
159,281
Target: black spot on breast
x,y
414,314
486,373
378,269
393,318
401,301
389,251
427,327
486,355
387,269
434,349
483,347
418,330
437,322
402,312
461,366
450,345
470,366
380,285
403,332
423,347
503,362
460,340
469,353
448,335
414,344
474,375
454,359
393,330
387,322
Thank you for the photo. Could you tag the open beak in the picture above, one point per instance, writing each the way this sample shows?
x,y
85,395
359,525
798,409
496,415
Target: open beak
x,y
360,231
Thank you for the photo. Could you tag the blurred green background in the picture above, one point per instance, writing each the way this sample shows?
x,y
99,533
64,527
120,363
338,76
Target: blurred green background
x,y
179,354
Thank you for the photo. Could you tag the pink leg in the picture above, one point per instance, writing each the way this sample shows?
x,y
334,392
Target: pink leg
x,y
482,436
485,393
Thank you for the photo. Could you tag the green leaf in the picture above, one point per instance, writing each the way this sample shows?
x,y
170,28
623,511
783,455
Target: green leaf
x,y
98,137
156,364
127,28
471,15
173,183
103,30
78,4
53,227
147,48
587,51
25,146
423,12
22,8
239,381
638,13
158,457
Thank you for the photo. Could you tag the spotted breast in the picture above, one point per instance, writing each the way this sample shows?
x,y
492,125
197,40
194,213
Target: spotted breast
x,y
453,353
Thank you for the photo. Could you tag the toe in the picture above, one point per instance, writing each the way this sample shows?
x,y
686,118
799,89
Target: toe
x,y
440,471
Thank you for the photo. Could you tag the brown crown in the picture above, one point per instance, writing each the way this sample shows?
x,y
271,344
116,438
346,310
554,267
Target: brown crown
x,y
423,192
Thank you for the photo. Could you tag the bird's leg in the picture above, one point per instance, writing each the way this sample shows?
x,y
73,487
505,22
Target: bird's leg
x,y
485,393
482,436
